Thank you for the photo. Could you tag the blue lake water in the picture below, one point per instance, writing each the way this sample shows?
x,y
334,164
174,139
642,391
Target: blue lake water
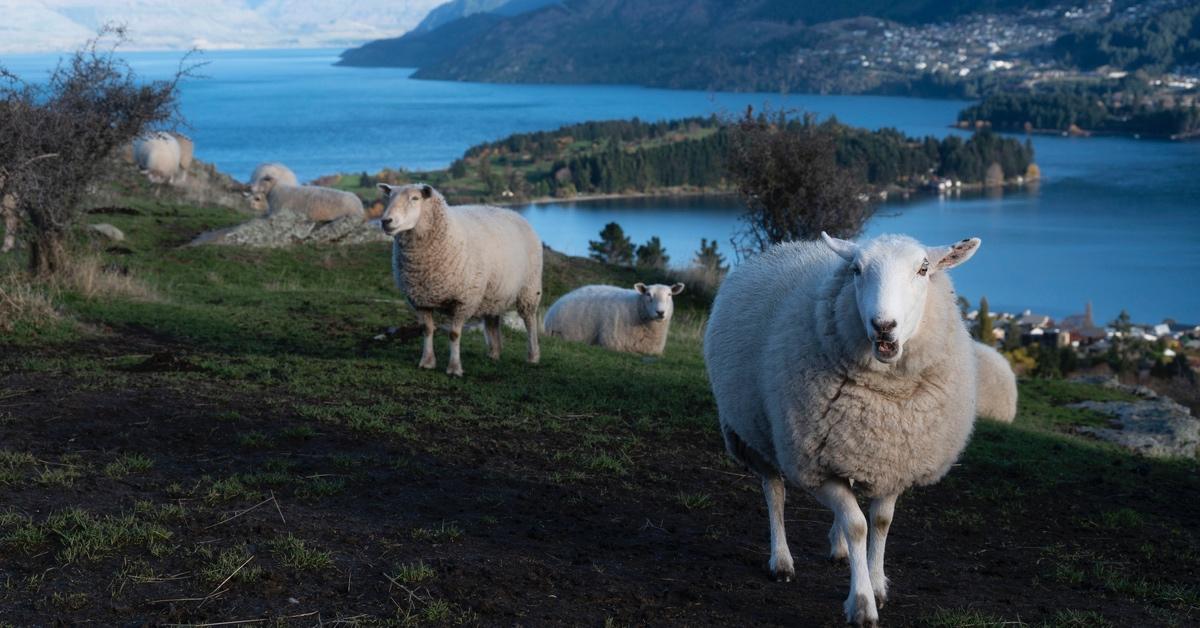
x,y
1115,220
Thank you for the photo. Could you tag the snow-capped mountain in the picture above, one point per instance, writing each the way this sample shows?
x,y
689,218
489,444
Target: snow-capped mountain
x,y
55,25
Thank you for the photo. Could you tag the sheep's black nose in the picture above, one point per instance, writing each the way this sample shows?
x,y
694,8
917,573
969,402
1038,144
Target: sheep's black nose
x,y
661,313
882,326
386,222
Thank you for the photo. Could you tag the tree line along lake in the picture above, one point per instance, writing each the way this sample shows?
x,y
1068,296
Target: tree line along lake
x,y
1115,221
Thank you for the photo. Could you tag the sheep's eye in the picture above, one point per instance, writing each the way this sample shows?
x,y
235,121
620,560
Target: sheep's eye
x,y
856,269
924,268
415,198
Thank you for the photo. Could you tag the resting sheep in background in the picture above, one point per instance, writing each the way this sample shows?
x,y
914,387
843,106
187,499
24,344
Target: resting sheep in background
x,y
997,393
634,321
157,156
835,363
462,261
267,175
316,204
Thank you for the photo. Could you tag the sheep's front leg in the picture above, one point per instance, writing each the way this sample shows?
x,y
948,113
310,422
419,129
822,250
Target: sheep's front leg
x,y
456,324
428,357
529,315
838,497
782,568
882,509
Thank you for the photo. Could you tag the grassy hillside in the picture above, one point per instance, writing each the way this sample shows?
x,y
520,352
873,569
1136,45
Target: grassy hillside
x,y
229,442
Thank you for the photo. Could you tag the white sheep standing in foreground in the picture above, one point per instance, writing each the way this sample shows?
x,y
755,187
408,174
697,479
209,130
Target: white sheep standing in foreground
x,y
464,261
267,175
836,366
635,321
997,385
157,156
314,203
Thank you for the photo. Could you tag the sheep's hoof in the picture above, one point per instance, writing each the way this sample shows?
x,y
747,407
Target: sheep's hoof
x,y
861,611
494,356
880,600
781,572
533,359
455,371
428,364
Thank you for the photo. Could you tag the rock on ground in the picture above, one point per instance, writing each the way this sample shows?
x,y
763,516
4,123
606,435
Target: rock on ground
x,y
1155,427
287,228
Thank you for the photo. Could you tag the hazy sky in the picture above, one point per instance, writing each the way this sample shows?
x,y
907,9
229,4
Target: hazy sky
x,y
55,25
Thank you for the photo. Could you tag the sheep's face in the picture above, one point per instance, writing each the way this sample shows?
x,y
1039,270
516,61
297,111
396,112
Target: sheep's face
x,y
656,301
402,206
258,201
891,282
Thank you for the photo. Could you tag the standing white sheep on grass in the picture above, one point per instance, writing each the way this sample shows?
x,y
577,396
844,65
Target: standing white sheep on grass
x,y
839,365
157,156
464,262
997,393
634,321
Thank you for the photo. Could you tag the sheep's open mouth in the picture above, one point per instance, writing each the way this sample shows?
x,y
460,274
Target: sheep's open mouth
x,y
886,348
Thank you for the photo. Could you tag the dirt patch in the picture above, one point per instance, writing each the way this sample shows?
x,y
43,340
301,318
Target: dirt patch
x,y
683,541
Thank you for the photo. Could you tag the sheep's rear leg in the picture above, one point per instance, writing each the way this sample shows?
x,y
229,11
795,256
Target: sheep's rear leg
x,y
492,333
882,509
860,604
428,357
455,368
782,567
529,315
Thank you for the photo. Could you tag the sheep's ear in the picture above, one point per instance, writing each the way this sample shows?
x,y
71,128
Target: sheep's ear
x,y
426,191
947,257
385,188
676,289
844,248
640,287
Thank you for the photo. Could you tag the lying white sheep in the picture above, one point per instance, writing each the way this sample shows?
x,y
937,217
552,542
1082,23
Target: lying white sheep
x,y
267,175
635,321
836,363
997,385
316,204
157,156
462,261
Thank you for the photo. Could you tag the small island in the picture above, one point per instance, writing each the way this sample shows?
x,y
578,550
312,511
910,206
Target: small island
x,y
687,156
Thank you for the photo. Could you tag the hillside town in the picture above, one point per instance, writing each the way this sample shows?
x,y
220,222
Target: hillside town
x,y
980,51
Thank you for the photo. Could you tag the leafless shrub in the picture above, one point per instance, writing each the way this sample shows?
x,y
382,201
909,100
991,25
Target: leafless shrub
x,y
787,173
55,137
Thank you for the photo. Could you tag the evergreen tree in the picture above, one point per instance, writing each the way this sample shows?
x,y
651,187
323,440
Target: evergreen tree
x,y
613,247
708,257
985,323
652,254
